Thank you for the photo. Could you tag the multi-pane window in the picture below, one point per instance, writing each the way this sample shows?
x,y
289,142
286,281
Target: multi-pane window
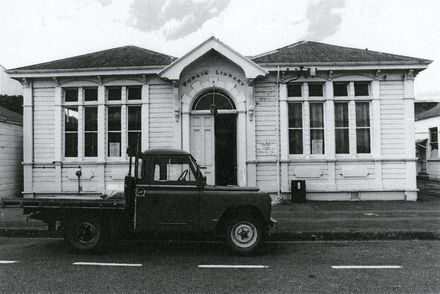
x,y
91,131
114,131
316,89
71,116
295,128
80,127
134,126
363,127
317,128
342,139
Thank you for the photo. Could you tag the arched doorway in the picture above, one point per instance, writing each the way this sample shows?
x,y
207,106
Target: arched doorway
x,y
214,136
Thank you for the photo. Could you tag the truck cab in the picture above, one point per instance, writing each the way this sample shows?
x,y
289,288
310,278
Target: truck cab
x,y
168,192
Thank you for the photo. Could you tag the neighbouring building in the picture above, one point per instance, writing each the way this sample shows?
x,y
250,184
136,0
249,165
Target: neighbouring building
x,y
11,156
342,119
427,127
9,86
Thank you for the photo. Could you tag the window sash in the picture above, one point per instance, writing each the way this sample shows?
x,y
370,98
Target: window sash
x,y
342,130
91,131
363,141
294,90
317,128
71,131
361,88
316,89
134,126
295,112
340,89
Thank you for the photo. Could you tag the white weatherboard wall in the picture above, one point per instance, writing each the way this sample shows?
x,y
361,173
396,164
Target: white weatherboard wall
x,y
388,172
11,148
9,86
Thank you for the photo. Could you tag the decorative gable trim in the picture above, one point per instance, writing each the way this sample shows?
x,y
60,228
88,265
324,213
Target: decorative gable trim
x,y
250,68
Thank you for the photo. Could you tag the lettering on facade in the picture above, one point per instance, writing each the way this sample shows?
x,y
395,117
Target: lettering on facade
x,y
266,148
217,73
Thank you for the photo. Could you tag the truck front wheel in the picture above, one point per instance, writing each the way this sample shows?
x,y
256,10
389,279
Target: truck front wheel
x,y
243,234
84,233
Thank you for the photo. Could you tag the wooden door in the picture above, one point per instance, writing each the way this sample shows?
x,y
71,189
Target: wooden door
x,y
202,145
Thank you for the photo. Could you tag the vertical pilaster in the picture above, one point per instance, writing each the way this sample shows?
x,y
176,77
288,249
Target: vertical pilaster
x,y
330,149
145,115
124,123
410,135
284,138
375,130
241,149
81,125
251,143
28,136
58,133
306,121
102,126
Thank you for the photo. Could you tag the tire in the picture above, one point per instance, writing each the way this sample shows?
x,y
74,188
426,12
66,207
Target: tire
x,y
84,234
244,234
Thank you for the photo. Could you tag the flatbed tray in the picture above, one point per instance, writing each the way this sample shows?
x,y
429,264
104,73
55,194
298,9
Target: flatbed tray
x,y
68,201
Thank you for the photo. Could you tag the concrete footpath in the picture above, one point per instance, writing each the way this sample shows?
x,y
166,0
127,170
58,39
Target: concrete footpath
x,y
355,220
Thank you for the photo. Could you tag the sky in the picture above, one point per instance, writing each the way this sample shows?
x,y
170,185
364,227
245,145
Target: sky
x,y
38,31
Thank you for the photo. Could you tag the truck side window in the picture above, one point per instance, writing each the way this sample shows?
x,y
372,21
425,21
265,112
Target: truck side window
x,y
175,170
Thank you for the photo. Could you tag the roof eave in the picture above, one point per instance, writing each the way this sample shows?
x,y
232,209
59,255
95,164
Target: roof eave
x,y
127,70
346,65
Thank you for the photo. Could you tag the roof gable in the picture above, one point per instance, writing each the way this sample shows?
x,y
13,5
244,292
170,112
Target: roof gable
x,y
126,56
251,69
307,52
7,115
430,113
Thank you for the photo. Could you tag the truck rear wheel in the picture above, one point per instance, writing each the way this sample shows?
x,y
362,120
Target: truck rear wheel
x,y
84,233
243,234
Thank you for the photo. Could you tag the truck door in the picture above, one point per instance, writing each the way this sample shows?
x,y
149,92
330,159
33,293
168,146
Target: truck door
x,y
171,200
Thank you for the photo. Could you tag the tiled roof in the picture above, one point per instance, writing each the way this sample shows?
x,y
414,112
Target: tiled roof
x,y
126,56
433,112
10,116
307,52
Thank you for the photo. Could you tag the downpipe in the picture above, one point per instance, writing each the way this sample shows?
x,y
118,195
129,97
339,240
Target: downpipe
x,y
278,137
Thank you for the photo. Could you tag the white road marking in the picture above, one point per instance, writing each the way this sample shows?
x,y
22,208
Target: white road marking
x,y
7,261
232,266
366,266
106,264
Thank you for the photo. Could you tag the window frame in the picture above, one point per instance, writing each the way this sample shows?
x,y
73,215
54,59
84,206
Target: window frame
x,y
289,128
81,106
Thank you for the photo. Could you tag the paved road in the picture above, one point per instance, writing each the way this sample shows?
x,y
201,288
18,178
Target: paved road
x,y
45,265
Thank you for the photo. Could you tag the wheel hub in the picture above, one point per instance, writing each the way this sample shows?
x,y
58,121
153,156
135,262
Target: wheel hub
x,y
244,235
85,232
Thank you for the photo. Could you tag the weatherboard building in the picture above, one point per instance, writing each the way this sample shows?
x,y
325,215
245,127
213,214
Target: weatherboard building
x,y
342,119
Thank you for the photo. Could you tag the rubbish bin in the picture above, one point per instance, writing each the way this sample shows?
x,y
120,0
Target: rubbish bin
x,y
298,191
